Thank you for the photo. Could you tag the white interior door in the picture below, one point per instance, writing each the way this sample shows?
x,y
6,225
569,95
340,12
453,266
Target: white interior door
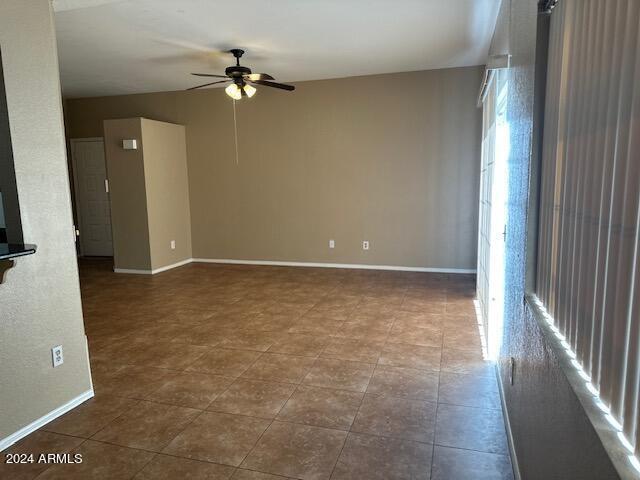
x,y
92,198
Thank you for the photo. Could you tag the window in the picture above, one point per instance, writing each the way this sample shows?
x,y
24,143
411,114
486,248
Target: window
x,y
493,198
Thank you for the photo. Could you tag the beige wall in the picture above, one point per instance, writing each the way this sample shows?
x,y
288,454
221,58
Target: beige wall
x,y
149,193
392,159
167,187
40,299
127,194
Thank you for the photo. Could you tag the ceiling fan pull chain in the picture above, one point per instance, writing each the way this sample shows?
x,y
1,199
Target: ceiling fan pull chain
x,y
235,130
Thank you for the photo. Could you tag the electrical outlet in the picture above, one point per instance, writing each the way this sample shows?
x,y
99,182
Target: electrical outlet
x,y
57,356
332,244
173,244
365,245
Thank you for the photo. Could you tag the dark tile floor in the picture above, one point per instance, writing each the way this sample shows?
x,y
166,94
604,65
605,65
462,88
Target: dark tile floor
x,y
260,373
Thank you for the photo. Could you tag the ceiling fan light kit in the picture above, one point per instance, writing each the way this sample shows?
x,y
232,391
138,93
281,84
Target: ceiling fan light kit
x,y
243,79
234,92
249,90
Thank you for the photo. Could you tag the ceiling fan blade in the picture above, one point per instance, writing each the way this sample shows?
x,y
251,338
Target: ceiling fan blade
x,y
274,84
209,75
207,84
259,76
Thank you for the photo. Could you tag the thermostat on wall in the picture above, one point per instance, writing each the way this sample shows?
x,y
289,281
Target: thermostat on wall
x,y
130,144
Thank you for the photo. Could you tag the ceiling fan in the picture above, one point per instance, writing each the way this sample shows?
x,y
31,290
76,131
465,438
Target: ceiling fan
x,y
242,78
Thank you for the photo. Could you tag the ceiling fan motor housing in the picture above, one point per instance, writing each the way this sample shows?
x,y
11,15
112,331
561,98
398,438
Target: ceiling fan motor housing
x,y
236,72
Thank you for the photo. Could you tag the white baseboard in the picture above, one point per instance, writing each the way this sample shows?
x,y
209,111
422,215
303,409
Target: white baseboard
x,y
36,424
507,426
155,270
334,265
296,264
173,265
129,270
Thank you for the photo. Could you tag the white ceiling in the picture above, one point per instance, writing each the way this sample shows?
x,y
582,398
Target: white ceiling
x,y
111,47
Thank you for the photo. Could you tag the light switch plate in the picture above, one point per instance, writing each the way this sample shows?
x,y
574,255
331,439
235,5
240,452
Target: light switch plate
x,y
130,144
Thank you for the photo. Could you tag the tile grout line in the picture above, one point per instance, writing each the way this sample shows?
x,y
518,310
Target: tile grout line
x,y
435,419
346,438
195,417
69,451
375,435
272,421
363,396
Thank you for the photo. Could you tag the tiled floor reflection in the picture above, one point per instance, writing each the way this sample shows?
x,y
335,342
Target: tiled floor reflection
x,y
243,372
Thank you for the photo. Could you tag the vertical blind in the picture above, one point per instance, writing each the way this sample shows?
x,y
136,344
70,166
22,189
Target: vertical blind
x,y
589,226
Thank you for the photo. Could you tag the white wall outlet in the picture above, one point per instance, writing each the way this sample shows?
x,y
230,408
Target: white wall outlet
x,y
57,356
365,244
173,244
332,244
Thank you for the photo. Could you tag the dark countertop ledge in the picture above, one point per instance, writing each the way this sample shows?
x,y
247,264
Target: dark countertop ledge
x,y
12,250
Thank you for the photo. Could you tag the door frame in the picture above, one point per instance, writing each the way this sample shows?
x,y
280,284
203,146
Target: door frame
x,y
74,169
